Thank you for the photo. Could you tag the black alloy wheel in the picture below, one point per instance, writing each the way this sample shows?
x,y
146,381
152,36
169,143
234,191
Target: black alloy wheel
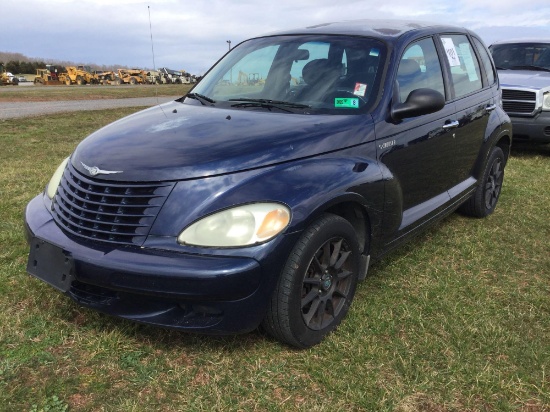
x,y
317,285
485,198
327,284
493,185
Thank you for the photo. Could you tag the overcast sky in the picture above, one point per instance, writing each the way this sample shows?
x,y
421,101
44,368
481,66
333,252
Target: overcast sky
x,y
192,35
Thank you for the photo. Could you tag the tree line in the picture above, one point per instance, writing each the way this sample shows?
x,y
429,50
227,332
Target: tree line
x,y
15,67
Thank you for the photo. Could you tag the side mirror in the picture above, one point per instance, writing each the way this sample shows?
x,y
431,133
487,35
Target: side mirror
x,y
419,102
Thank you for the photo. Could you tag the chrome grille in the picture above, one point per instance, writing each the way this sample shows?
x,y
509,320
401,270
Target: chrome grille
x,y
114,212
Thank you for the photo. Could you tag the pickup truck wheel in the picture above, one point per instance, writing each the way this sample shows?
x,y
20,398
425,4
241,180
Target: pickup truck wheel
x,y
317,285
485,198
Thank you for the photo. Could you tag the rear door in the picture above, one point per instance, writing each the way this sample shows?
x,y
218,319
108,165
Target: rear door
x,y
475,100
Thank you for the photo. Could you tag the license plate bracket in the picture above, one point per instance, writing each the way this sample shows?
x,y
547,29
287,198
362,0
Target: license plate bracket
x,y
51,264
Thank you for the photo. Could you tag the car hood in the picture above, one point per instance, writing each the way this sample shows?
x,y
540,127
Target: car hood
x,y
177,141
524,78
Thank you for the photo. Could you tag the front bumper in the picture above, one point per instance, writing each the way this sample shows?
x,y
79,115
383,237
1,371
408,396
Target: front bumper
x,y
211,294
533,129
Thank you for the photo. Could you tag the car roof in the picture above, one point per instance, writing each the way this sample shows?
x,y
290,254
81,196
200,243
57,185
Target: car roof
x,y
522,40
379,28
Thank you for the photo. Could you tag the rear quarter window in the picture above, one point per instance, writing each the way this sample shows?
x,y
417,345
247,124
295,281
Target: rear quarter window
x,y
487,63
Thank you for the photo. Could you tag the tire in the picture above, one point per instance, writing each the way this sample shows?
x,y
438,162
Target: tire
x,y
80,81
484,200
133,81
68,81
317,285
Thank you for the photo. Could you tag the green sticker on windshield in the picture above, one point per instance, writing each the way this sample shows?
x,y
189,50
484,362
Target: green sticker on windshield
x,y
346,102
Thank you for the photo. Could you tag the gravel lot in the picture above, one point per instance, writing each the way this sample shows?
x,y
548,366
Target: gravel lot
x,y
27,109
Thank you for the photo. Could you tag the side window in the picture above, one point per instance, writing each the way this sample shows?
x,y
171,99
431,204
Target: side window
x,y
419,68
464,65
486,60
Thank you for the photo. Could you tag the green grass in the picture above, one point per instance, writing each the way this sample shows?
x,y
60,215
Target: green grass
x,y
88,92
457,320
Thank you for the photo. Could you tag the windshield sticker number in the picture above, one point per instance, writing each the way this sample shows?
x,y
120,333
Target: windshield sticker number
x,y
360,89
346,102
450,49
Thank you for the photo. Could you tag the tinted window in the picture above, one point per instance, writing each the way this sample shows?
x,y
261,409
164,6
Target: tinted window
x,y
520,55
486,60
419,68
465,70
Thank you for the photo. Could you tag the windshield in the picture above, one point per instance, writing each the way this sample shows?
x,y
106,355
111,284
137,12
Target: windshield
x,y
522,55
298,74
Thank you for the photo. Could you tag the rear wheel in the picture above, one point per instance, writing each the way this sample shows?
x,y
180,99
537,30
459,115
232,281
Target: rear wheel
x,y
317,285
80,81
68,81
485,198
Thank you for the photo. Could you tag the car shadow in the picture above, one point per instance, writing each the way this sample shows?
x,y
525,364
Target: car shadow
x,y
522,149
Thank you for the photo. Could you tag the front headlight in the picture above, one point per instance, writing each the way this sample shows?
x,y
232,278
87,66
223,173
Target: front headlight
x,y
546,101
56,179
239,226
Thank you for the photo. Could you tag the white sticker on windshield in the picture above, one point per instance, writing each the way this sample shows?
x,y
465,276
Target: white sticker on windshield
x,y
450,50
360,89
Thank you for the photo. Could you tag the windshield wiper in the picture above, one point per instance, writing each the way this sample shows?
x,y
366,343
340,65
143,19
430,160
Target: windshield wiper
x,y
530,67
502,68
201,98
269,103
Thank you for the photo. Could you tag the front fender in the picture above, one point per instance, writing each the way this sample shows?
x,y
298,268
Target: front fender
x,y
308,187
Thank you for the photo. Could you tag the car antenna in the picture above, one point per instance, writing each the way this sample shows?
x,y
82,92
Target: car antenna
x,y
154,65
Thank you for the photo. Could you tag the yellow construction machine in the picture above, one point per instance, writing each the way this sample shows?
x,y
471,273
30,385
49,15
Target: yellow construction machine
x,y
131,76
106,77
7,78
47,76
80,75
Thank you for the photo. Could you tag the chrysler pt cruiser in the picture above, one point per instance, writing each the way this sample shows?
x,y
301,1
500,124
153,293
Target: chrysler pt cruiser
x,y
261,197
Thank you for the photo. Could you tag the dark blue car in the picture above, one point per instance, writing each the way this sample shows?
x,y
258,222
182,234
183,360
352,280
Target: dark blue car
x,y
261,197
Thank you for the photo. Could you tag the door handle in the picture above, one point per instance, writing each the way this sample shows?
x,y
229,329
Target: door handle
x,y
450,124
491,107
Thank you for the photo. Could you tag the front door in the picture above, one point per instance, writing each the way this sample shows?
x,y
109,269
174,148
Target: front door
x,y
418,151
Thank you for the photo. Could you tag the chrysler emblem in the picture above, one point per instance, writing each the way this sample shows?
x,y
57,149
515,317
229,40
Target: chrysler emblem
x,y
94,170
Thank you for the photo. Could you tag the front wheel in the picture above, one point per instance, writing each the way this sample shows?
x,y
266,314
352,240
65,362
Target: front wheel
x,y
485,198
317,285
